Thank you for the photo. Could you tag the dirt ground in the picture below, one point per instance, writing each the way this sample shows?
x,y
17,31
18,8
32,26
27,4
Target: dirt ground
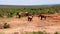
x,y
50,25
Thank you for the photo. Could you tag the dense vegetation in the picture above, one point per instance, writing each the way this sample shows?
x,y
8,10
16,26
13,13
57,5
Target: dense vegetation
x,y
50,9
39,32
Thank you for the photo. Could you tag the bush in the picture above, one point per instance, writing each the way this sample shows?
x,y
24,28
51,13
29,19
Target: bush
x,y
39,32
34,32
56,33
10,15
51,12
5,25
1,15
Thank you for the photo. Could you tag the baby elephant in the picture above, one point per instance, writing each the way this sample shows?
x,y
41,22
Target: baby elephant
x,y
30,18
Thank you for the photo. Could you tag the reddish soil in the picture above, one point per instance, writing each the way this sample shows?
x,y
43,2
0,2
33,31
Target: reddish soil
x,y
50,25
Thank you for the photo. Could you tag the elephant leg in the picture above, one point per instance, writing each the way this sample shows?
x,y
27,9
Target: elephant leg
x,y
45,17
19,16
30,19
41,18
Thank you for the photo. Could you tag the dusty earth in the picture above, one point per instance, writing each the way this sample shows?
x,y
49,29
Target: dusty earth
x,y
50,25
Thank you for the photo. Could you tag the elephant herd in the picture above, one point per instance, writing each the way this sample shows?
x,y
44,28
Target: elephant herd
x,y
30,16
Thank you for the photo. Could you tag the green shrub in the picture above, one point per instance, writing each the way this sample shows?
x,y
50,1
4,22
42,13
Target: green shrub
x,y
10,15
34,32
1,15
40,32
5,25
56,33
51,12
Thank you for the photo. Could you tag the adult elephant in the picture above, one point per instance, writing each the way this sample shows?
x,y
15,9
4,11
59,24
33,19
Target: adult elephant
x,y
26,13
19,14
30,17
42,16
